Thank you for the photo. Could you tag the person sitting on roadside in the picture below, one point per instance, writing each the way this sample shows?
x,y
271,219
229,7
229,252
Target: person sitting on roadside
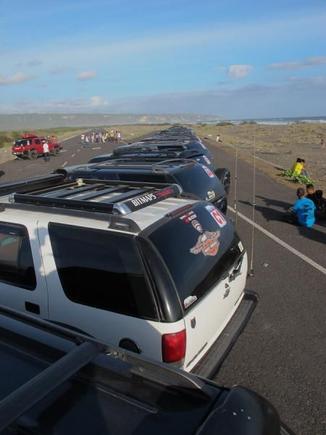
x,y
320,203
303,170
297,168
303,210
310,192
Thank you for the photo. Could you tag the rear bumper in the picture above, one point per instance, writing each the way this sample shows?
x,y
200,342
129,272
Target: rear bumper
x,y
211,362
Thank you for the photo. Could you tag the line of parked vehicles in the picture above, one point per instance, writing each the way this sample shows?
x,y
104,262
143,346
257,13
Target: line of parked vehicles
x,y
132,261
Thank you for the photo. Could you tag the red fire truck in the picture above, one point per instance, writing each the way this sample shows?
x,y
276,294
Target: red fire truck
x,y
30,146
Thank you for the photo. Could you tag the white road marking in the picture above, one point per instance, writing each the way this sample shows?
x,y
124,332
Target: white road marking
x,y
96,148
282,243
64,164
73,155
63,151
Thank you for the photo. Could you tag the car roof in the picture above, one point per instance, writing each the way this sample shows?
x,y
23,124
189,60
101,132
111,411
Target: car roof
x,y
126,206
168,165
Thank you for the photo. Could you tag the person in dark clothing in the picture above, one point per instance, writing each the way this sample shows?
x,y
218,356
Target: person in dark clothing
x,y
320,203
310,192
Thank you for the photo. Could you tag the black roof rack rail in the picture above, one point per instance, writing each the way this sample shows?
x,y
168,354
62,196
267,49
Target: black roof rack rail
x,y
145,147
100,196
86,350
176,160
30,183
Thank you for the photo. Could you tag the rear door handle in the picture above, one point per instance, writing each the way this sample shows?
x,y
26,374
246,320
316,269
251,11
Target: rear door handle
x,y
33,308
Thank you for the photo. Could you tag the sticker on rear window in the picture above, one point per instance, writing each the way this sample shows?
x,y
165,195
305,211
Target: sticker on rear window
x,y
207,244
216,215
188,217
191,217
210,195
208,171
207,160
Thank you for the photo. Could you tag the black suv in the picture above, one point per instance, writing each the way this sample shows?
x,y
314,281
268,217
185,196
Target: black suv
x,y
174,143
195,180
68,383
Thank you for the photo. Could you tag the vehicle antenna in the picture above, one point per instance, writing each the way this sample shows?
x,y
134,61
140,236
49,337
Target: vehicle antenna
x,y
235,202
251,269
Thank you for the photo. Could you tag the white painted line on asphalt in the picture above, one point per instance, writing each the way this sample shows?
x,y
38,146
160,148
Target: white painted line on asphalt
x,y
282,243
96,148
63,151
73,155
64,164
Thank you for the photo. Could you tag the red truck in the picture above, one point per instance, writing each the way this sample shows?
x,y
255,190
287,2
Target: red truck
x,y
30,146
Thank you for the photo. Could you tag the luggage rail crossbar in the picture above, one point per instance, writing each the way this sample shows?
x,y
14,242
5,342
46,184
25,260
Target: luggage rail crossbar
x,y
86,350
31,184
104,196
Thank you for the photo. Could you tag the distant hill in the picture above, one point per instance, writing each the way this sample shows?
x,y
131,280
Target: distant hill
x,y
48,120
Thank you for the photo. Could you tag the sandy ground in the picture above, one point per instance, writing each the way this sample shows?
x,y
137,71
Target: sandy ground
x,y
277,146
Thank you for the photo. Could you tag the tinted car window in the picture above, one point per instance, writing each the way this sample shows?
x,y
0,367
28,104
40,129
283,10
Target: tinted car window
x,y
195,179
150,178
16,261
197,250
101,269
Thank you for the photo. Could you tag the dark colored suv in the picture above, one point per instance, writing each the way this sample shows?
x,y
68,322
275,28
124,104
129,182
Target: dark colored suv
x,y
195,179
174,143
68,383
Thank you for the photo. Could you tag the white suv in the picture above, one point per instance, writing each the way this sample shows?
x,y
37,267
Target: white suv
x,y
132,264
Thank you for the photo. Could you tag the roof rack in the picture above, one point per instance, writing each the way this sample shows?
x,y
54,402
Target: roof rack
x,y
86,350
104,196
153,146
30,183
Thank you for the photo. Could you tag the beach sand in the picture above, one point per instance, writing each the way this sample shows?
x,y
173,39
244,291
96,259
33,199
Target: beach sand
x,y
277,146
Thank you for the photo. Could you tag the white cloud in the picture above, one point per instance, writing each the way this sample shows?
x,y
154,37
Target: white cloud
x,y
98,101
15,79
86,75
239,71
70,105
299,64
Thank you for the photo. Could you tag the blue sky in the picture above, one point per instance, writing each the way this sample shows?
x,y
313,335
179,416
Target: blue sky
x,y
231,58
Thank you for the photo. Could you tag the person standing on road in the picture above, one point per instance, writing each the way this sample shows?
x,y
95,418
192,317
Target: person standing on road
x,y
303,210
46,151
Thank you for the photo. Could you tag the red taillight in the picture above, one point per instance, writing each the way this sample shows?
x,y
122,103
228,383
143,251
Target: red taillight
x,y
174,346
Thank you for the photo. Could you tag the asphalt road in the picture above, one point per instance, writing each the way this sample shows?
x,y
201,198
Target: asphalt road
x,y
282,352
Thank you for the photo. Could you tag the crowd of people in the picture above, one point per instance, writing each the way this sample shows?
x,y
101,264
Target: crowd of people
x,y
97,137
309,207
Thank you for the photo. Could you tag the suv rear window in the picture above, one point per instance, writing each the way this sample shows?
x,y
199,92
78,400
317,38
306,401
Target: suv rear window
x,y
197,250
196,180
16,260
101,269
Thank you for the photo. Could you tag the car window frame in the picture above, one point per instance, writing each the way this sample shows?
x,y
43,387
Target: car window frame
x,y
131,237
14,227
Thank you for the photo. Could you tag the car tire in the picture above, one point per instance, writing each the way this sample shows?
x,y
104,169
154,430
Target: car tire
x,y
33,155
225,177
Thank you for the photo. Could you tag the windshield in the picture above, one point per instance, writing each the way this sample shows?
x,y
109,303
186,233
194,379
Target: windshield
x,y
199,248
22,142
201,181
